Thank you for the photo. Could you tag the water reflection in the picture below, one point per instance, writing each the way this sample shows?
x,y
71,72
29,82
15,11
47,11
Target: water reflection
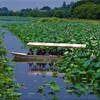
x,y
43,69
36,66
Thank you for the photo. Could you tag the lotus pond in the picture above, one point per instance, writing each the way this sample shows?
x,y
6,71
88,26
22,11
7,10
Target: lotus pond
x,y
81,66
8,88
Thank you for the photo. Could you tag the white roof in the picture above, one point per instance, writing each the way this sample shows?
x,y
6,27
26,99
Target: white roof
x,y
57,45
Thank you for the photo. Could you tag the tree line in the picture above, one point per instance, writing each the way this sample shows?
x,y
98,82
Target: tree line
x,y
86,9
83,9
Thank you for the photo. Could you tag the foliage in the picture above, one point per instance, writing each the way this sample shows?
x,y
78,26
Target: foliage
x,y
92,1
8,88
64,6
86,9
82,9
54,88
45,8
14,18
45,11
82,66
4,9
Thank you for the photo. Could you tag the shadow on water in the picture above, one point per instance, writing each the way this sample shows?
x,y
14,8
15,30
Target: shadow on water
x,y
32,74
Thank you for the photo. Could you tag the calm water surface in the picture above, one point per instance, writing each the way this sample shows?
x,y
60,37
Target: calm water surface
x,y
31,81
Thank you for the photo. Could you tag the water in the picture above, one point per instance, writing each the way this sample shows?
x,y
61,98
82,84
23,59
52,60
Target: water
x,y
31,81
6,22
21,70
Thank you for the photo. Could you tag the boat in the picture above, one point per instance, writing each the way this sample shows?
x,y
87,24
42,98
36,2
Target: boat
x,y
23,57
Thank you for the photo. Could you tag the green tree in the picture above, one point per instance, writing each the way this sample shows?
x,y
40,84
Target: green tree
x,y
87,11
91,1
64,6
60,13
45,8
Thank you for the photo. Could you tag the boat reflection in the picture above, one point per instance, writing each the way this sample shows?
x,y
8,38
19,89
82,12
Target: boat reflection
x,y
43,69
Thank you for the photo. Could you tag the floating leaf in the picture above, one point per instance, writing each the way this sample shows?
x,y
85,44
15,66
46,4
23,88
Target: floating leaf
x,y
67,81
87,87
69,90
97,64
55,87
79,86
75,70
40,89
18,94
97,75
98,71
82,72
51,93
87,63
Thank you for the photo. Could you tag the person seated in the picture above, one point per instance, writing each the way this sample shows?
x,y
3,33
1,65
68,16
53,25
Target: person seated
x,y
30,52
60,52
39,52
43,52
55,52
51,52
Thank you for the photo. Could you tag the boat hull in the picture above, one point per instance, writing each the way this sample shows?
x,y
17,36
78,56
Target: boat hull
x,y
22,57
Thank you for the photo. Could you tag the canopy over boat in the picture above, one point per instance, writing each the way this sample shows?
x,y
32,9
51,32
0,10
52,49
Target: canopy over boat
x,y
57,45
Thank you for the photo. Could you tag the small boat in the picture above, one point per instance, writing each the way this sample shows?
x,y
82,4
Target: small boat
x,y
23,57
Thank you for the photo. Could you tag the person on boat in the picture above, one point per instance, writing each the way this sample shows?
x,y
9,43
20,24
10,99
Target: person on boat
x,y
61,52
51,52
39,52
30,52
43,52
55,52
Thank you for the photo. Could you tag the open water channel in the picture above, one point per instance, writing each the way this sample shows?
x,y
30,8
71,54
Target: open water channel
x,y
25,75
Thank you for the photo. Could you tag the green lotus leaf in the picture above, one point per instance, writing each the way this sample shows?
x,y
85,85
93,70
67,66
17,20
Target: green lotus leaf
x,y
55,87
87,63
97,64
